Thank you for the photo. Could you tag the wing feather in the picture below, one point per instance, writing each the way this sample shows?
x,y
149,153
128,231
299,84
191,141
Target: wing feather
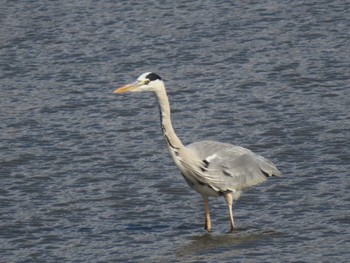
x,y
230,167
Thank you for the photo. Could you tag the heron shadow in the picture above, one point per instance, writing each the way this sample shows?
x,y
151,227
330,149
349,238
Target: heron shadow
x,y
240,238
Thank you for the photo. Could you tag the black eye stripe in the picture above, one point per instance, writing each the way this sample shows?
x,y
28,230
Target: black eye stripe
x,y
153,76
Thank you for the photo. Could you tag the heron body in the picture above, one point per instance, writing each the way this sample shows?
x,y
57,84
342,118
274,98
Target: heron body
x,y
211,168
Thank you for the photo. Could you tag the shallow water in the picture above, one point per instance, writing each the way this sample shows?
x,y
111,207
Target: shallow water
x,y
85,174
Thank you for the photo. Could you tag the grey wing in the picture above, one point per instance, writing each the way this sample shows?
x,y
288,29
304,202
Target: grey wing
x,y
230,167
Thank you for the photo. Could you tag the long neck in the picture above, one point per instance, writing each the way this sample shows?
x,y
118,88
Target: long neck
x,y
174,143
184,159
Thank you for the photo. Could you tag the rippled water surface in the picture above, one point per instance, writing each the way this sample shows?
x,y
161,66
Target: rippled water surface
x,y
85,174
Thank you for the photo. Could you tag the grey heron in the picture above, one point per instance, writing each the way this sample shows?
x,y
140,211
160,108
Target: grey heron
x,y
211,168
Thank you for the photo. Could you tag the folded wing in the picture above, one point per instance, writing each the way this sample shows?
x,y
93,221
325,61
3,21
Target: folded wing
x,y
227,167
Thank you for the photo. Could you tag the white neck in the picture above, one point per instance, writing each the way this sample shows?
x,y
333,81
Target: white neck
x,y
184,159
170,136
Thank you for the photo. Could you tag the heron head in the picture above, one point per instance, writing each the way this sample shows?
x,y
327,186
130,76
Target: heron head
x,y
148,81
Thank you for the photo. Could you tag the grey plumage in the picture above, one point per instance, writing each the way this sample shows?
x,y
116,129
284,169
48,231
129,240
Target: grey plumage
x,y
232,168
211,168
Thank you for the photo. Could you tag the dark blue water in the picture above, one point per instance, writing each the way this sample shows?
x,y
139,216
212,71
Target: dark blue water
x,y
85,175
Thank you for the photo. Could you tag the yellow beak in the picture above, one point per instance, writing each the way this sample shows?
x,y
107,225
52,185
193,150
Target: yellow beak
x,y
126,88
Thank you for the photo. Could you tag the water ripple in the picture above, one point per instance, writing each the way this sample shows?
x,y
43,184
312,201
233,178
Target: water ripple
x,y
85,175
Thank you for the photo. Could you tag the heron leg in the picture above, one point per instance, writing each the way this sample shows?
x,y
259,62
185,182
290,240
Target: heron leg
x,y
207,214
229,200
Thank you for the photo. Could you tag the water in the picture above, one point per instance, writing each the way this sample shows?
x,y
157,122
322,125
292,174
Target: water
x,y
85,175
